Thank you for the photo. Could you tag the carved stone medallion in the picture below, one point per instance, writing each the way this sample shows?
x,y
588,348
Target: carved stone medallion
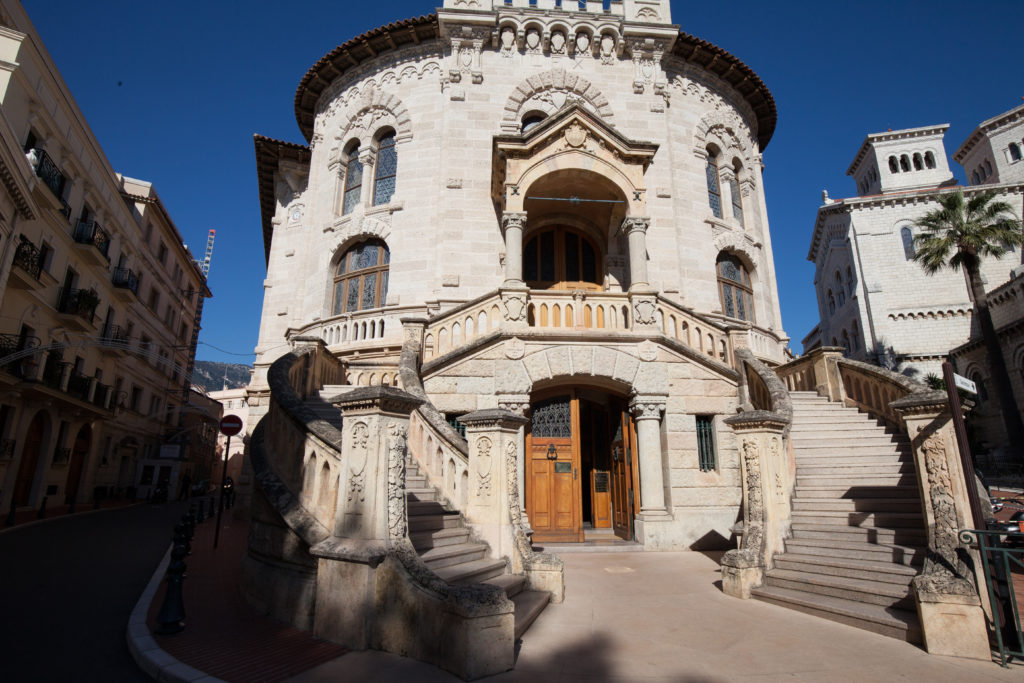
x,y
515,348
647,350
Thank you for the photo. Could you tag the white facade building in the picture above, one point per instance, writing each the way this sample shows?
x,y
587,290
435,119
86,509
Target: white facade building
x,y
873,299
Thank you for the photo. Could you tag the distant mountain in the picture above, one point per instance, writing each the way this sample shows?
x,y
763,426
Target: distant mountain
x,y
210,375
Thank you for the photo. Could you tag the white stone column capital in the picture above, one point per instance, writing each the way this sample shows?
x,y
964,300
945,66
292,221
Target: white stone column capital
x,y
514,220
632,224
647,407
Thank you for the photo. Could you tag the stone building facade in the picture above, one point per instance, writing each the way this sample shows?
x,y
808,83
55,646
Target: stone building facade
x,y
98,300
573,199
873,299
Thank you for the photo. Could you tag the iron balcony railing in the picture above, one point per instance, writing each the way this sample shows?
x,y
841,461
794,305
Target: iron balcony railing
x,y
65,209
28,258
13,343
78,386
90,232
1002,557
48,172
80,302
115,336
61,456
53,371
126,279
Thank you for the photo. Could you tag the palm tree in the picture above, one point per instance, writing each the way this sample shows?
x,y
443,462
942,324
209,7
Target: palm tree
x,y
959,234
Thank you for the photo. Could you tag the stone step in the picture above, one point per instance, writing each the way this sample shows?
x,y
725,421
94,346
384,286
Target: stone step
x,y
807,418
437,538
472,572
421,495
529,605
426,507
857,550
888,572
856,439
846,491
862,460
450,555
512,584
416,481
839,448
828,426
431,522
879,504
895,623
853,482
870,535
852,466
861,520
856,590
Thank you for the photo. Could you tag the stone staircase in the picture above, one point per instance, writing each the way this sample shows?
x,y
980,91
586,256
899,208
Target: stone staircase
x,y
442,540
441,537
858,530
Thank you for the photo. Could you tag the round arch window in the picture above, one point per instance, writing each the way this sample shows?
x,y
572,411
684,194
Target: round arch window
x,y
361,278
560,258
734,287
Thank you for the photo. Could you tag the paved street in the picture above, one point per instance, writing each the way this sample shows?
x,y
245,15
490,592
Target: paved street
x,y
68,586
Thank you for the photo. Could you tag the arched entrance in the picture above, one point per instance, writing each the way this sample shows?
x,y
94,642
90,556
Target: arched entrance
x,y
79,454
29,459
581,474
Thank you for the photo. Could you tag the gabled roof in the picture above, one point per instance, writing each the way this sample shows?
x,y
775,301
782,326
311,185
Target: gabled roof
x,y
269,153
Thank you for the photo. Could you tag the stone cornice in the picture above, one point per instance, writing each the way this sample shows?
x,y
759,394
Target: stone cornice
x,y
504,419
984,128
383,398
757,419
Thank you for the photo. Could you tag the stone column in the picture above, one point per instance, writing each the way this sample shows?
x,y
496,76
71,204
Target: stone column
x,y
635,228
513,223
368,158
493,435
764,472
948,603
646,412
370,512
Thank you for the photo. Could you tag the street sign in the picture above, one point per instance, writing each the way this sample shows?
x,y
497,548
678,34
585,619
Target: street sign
x,y
967,385
230,425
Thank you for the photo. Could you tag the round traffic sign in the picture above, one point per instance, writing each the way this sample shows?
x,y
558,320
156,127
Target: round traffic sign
x,y
230,425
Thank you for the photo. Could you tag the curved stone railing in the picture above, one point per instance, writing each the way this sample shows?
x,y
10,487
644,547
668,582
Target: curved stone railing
x,y
874,389
300,462
768,473
459,326
439,450
580,310
695,331
376,325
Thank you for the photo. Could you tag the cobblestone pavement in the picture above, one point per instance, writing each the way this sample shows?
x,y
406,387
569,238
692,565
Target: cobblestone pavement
x,y
67,586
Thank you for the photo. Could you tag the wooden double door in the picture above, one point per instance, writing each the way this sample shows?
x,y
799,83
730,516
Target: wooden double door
x,y
580,461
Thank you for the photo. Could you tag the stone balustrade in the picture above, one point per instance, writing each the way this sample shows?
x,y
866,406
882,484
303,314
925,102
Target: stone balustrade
x,y
694,331
461,325
378,325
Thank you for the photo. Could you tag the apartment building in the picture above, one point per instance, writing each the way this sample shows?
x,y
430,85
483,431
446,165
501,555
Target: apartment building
x,y
98,305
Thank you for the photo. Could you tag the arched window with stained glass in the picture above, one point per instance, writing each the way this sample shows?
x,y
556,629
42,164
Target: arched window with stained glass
x,y
353,179
361,278
386,169
714,193
907,235
734,288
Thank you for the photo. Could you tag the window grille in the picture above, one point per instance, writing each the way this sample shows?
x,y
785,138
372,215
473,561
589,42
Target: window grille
x,y
706,455
456,425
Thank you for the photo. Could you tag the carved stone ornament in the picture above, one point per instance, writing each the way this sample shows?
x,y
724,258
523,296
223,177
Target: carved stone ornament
x,y
576,135
508,42
644,311
607,49
775,456
360,435
533,41
753,532
635,224
558,43
398,525
944,571
515,348
646,409
647,350
483,468
513,219
582,42
514,307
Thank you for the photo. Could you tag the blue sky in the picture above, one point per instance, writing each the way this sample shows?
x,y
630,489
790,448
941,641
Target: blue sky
x,y
174,91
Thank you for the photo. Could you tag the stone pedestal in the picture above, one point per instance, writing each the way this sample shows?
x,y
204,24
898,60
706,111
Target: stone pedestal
x,y
953,624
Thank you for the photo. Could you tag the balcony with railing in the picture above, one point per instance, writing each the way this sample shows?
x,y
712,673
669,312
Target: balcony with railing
x,y
78,386
95,239
53,371
28,265
48,171
101,395
23,365
115,340
79,307
126,283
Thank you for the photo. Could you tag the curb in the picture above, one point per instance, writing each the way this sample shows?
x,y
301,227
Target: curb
x,y
150,657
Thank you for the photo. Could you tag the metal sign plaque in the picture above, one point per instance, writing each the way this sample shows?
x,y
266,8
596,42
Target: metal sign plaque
x,y
967,385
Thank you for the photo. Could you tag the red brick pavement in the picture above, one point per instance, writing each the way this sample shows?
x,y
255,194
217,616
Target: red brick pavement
x,y
224,636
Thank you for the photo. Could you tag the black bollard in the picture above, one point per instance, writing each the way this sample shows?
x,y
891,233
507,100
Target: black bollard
x,y
181,535
192,520
171,618
42,509
12,517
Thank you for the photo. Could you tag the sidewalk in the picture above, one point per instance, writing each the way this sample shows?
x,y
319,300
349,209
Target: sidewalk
x,y
225,637
626,617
